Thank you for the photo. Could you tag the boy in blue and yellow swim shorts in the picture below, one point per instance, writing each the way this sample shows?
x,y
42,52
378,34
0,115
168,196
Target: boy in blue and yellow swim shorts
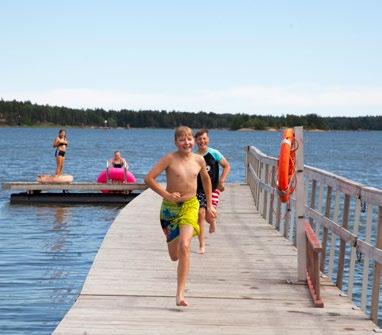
x,y
180,207
173,215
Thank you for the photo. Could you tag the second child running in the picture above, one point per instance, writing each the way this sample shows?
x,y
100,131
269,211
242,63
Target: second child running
x,y
213,159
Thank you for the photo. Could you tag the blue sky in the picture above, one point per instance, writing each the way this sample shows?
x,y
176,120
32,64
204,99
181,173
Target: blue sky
x,y
254,57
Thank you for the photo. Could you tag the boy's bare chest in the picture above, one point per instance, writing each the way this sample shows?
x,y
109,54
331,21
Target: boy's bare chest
x,y
184,170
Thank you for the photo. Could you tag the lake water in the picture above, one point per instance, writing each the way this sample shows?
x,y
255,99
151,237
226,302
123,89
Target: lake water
x,y
46,251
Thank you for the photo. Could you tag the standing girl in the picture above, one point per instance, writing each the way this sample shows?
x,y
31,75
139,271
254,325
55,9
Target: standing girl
x,y
60,143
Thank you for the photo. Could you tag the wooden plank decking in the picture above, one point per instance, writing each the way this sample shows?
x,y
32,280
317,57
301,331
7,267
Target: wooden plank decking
x,y
240,286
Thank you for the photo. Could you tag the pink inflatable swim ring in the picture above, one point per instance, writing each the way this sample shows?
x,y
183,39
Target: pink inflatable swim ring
x,y
116,175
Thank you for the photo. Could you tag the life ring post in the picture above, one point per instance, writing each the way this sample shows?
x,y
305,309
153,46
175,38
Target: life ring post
x,y
300,206
290,180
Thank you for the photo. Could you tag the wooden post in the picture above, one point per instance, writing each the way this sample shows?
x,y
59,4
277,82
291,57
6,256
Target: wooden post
x,y
377,272
332,249
300,206
265,194
272,197
246,164
365,270
353,251
258,174
319,209
313,197
341,257
286,219
253,162
278,214
325,233
260,190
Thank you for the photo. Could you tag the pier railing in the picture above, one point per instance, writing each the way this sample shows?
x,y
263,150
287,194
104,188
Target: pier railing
x,y
346,217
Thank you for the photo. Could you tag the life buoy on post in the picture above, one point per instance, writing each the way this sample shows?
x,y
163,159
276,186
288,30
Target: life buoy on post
x,y
286,165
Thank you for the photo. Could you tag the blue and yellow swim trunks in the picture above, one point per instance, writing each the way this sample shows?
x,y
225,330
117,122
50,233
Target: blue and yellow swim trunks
x,y
173,215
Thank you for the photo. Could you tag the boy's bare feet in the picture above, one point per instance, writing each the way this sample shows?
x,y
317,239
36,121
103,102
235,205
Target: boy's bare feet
x,y
202,249
212,227
181,302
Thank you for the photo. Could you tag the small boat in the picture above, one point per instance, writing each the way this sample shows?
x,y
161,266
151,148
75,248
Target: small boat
x,y
47,179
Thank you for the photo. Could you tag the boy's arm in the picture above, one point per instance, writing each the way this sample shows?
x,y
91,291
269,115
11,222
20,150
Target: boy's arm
x,y
226,169
155,186
206,181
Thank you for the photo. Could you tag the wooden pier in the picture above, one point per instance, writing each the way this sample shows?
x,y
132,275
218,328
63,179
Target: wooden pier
x,y
73,193
245,283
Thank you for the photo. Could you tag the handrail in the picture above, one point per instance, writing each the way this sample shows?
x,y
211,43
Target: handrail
x,y
312,265
340,210
347,186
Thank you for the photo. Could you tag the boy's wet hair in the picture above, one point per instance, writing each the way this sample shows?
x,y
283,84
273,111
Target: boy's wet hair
x,y
200,132
182,130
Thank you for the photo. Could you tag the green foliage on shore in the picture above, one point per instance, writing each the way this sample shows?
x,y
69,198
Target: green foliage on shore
x,y
16,113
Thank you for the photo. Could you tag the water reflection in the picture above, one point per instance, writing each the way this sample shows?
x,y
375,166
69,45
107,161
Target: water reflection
x,y
60,218
59,225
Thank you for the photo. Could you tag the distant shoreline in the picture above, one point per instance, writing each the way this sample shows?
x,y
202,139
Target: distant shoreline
x,y
46,126
18,113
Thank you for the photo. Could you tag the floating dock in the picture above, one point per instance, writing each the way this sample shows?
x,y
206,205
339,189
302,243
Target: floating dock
x,y
243,284
74,193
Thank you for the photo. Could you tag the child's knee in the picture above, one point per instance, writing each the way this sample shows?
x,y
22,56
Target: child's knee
x,y
183,247
174,258
173,251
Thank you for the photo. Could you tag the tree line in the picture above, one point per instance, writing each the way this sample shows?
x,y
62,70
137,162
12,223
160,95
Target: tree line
x,y
24,113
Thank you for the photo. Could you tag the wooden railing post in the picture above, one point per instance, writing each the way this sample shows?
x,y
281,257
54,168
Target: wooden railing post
x,y
300,206
272,197
325,233
278,214
265,194
341,257
246,164
261,190
286,220
313,197
366,261
258,188
353,251
377,272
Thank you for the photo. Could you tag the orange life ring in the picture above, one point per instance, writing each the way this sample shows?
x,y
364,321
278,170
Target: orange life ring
x,y
286,165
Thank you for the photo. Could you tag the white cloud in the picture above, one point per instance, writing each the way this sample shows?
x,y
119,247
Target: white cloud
x,y
347,101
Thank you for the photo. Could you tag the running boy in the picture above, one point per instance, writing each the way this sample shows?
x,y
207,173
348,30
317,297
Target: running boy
x,y
213,159
179,211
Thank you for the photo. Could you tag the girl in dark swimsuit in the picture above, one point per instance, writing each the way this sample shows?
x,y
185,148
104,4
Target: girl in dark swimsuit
x,y
60,143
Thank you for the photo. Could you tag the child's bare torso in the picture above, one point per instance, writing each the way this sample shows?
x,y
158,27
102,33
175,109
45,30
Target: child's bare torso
x,y
182,175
